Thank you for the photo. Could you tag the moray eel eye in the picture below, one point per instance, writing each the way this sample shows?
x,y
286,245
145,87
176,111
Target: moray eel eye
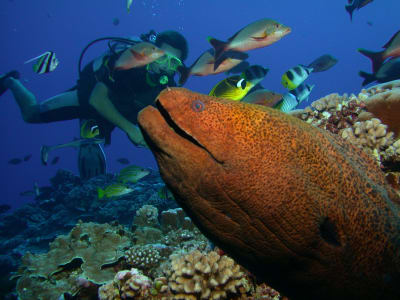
x,y
197,106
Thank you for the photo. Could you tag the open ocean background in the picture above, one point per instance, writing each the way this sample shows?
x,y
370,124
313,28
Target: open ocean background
x,y
29,28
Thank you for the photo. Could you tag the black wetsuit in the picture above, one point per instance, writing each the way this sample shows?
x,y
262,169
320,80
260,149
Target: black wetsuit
x,y
129,91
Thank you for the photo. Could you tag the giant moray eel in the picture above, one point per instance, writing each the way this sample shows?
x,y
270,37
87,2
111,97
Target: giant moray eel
x,y
297,206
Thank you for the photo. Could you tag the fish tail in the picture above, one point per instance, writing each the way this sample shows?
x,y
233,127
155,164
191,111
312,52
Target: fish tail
x,y
368,77
219,46
350,10
100,193
184,74
376,58
230,54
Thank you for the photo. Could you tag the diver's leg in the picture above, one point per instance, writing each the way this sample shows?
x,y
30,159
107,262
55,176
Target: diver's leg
x,y
64,106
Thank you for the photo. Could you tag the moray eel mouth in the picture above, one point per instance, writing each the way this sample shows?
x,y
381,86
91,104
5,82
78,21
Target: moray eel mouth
x,y
163,134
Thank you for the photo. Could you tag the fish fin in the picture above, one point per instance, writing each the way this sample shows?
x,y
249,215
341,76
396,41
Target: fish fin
x,y
185,73
368,77
219,46
37,57
375,57
230,54
387,45
100,193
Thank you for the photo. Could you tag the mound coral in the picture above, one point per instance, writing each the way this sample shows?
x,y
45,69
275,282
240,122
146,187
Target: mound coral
x,y
89,252
206,276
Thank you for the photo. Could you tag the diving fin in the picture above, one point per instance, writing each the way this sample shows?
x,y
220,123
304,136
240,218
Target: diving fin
x,y
91,159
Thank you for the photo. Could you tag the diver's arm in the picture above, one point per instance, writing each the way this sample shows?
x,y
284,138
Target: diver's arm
x,y
101,102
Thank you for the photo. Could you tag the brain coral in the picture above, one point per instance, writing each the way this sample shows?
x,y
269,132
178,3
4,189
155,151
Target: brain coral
x,y
88,251
206,276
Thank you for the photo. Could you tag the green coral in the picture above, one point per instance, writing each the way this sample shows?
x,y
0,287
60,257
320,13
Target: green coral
x,y
89,251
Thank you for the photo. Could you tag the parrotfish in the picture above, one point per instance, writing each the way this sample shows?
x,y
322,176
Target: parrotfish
x,y
300,208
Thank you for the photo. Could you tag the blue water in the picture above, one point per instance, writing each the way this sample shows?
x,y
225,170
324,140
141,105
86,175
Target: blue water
x,y
29,28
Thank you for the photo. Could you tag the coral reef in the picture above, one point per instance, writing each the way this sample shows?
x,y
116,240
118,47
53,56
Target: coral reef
x,y
207,276
368,120
90,251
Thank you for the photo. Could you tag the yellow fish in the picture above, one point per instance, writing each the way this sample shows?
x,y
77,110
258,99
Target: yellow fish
x,y
233,88
114,190
89,129
132,174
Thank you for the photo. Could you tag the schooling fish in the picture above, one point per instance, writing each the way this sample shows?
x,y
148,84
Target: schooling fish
x,y
258,34
114,190
138,55
392,50
45,150
45,63
27,157
15,161
292,78
123,161
233,88
355,4
89,129
132,174
204,65
323,63
389,71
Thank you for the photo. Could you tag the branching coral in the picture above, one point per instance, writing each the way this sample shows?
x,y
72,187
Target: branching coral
x,y
206,276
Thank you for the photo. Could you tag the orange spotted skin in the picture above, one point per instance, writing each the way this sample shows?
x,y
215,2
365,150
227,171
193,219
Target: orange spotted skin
x,y
300,208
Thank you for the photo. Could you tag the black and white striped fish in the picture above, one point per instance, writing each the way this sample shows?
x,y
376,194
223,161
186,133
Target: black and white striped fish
x,y
255,74
45,63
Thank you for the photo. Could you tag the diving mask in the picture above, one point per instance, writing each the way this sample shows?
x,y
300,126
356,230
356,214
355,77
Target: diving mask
x,y
168,62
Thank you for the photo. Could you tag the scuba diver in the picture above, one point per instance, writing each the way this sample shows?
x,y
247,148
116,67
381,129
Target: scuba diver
x,y
110,96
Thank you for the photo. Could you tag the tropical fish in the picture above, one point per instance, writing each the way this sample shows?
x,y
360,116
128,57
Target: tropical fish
x,y
27,157
165,194
392,50
355,4
15,161
204,65
279,194
114,190
389,71
123,161
323,63
240,68
45,150
292,78
292,99
128,5
138,55
258,34
89,129
132,174
255,74
45,63
262,97
55,160
233,88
